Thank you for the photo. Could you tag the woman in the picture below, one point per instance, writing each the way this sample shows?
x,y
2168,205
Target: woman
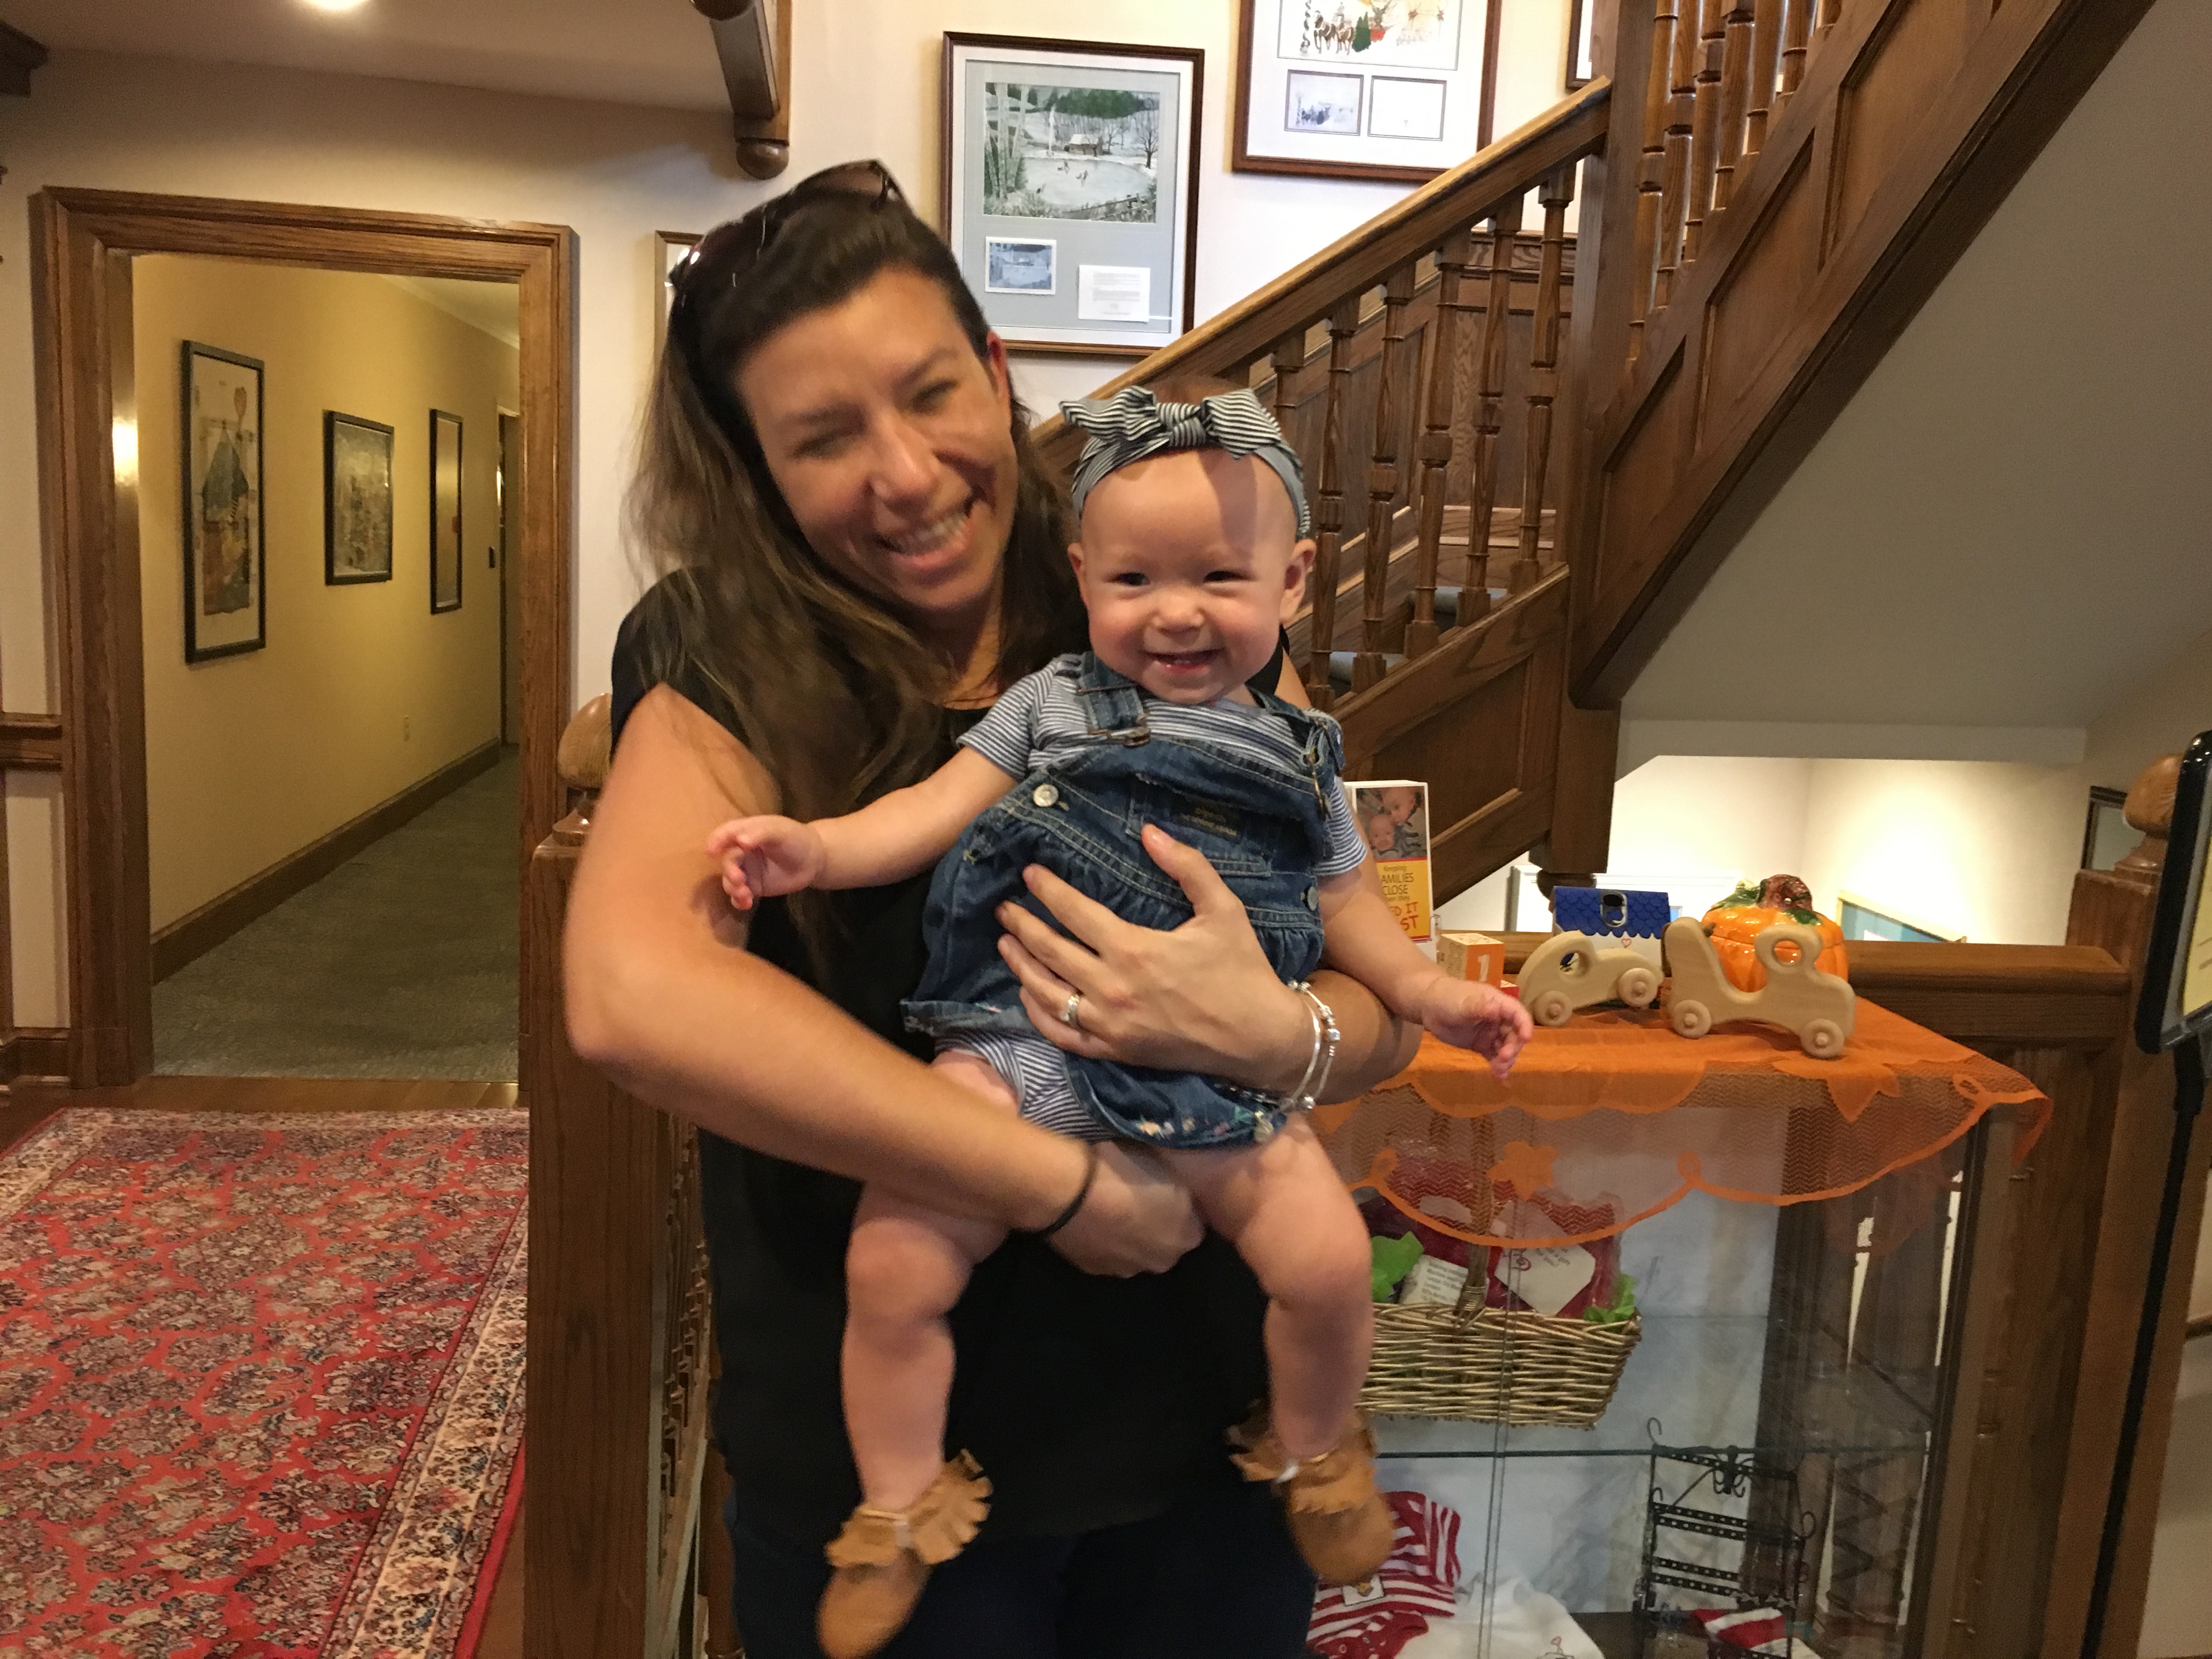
x,y
862,550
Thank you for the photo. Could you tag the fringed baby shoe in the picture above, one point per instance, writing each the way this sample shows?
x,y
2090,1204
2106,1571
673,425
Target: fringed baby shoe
x,y
1339,1522
883,1559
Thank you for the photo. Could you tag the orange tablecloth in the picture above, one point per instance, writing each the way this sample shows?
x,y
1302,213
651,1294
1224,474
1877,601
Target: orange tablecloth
x,y
1613,1118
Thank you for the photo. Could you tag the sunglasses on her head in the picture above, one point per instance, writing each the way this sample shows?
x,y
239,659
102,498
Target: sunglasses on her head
x,y
728,252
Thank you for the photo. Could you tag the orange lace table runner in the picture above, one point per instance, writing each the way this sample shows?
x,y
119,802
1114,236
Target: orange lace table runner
x,y
1613,1118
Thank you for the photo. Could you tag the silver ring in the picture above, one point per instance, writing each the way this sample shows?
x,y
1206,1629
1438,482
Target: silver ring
x,y
1072,1013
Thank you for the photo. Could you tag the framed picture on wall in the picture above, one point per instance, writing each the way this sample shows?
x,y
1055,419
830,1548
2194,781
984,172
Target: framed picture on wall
x,y
356,500
1862,918
669,248
1582,19
1390,90
444,511
225,553
1070,179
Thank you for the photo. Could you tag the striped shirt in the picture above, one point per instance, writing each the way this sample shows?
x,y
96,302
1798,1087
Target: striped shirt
x,y
1040,718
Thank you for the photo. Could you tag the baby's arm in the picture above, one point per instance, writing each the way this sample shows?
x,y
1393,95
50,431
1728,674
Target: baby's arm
x,y
892,838
1366,941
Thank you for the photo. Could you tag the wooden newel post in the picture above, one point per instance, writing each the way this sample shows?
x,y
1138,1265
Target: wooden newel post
x,y
617,1352
2114,909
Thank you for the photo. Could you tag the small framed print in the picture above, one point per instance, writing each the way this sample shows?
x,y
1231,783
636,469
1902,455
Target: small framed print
x,y
1393,89
356,500
1070,174
444,512
670,248
225,553
1582,20
1316,101
1400,106
1017,266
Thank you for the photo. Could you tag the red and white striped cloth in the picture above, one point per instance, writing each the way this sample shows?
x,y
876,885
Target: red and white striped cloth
x,y
1417,1583
1757,1629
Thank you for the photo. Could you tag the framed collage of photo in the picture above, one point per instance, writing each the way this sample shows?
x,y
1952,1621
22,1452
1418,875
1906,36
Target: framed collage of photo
x,y
226,552
1390,90
1070,171
356,500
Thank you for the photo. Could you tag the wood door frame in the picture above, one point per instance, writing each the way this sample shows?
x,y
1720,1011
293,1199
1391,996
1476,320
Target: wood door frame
x,y
83,243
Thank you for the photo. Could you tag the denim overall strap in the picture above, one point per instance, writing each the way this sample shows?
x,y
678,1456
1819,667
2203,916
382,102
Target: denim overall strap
x,y
1319,736
1112,705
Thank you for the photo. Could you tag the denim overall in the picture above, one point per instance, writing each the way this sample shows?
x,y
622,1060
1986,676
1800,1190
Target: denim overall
x,y
1080,815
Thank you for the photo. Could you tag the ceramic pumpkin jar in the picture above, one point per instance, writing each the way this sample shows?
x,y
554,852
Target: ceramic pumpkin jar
x,y
1739,918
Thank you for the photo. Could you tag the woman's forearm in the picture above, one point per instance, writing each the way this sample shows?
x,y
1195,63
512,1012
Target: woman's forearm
x,y
662,994
742,1049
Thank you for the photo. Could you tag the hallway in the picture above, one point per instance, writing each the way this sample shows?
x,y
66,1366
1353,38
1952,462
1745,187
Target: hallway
x,y
400,963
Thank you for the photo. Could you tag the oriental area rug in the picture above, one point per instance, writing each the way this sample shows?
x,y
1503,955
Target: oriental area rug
x,y
260,1381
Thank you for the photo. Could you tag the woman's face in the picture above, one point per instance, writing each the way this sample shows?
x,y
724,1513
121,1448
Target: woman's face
x,y
893,446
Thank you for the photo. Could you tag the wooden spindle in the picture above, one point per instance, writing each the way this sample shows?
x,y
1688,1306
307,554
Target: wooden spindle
x,y
1675,192
1831,12
1289,362
1766,38
1650,182
1383,482
1797,20
1328,505
1705,125
1735,97
1557,191
1453,258
1504,226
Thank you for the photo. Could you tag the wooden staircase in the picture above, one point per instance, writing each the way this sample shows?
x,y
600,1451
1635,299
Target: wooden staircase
x,y
1766,189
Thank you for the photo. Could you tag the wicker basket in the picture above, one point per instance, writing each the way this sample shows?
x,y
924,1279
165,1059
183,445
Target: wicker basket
x,y
1492,1366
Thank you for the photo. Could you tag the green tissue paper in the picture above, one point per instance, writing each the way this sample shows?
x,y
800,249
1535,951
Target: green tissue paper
x,y
1394,1258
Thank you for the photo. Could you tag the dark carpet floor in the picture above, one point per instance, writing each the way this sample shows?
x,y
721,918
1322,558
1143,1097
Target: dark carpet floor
x,y
399,964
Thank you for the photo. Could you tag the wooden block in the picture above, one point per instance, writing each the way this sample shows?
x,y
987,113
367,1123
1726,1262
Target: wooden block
x,y
1472,956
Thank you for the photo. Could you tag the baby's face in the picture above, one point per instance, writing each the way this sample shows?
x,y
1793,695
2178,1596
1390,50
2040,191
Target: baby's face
x,y
1399,804
1190,564
1382,833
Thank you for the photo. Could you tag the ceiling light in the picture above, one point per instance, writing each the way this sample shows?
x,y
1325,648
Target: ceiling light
x,y
337,5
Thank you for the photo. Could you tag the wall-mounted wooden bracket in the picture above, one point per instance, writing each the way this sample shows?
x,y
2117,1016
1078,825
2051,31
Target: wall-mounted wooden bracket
x,y
752,38
19,56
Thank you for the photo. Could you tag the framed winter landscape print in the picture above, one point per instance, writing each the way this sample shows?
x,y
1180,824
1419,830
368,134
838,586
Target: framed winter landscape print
x,y
356,500
1070,188
1393,89
226,555
444,511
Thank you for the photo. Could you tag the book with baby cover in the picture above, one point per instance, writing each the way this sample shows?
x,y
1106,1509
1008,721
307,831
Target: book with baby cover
x,y
1392,816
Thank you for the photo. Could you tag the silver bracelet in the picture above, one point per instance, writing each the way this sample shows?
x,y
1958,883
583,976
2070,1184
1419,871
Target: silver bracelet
x,y
1326,1036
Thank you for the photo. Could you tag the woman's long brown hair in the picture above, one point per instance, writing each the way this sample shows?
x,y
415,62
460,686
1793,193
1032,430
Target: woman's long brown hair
x,y
831,690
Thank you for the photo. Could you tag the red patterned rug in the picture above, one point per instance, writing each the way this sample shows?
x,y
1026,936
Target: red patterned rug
x,y
260,1381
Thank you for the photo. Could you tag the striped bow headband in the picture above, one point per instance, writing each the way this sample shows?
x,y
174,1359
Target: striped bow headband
x,y
1134,425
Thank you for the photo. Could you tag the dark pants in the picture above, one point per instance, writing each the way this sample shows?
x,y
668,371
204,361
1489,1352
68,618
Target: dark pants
x,y
1217,1577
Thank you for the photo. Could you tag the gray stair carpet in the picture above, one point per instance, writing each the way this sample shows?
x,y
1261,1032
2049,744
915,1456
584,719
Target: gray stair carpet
x,y
401,963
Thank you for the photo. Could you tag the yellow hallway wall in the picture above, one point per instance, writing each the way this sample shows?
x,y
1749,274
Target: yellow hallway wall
x,y
361,690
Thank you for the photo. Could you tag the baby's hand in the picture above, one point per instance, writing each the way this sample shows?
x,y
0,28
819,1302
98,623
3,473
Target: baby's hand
x,y
1482,1017
764,856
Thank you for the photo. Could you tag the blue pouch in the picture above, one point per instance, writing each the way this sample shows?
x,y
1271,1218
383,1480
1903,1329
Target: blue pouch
x,y
1635,917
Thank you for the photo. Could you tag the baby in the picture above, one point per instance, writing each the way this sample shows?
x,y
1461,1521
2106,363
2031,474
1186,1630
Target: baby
x,y
1192,557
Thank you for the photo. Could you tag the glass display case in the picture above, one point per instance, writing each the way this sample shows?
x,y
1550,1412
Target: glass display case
x,y
1716,1325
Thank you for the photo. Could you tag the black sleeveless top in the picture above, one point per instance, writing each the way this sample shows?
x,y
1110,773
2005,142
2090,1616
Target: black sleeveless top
x,y
1090,1401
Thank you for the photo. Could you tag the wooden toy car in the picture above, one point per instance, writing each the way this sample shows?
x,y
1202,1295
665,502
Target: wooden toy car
x,y
1569,971
1819,1008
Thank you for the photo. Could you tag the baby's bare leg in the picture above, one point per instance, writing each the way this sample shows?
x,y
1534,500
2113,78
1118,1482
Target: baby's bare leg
x,y
1297,1228
905,1267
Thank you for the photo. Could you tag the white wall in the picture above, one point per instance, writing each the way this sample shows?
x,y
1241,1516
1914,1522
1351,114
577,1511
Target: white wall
x,y
864,83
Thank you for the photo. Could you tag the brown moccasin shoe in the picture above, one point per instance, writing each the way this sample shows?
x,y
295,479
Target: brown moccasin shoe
x,y
1341,1523
883,1559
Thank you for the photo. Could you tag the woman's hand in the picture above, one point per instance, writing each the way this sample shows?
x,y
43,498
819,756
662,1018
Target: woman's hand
x,y
1136,1219
1200,998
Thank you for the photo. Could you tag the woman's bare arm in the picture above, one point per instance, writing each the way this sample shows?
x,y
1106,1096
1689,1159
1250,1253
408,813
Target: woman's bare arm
x,y
662,996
